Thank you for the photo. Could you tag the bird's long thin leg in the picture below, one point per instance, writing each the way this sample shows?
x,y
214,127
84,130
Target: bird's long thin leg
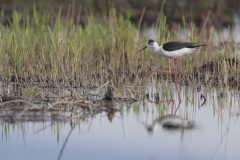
x,y
162,71
180,68
180,72
173,65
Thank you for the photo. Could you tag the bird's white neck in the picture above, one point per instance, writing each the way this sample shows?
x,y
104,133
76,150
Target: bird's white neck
x,y
155,47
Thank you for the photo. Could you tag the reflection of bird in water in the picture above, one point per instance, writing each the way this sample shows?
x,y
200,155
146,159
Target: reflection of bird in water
x,y
170,122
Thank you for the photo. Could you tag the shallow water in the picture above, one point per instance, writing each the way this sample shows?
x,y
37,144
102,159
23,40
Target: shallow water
x,y
123,135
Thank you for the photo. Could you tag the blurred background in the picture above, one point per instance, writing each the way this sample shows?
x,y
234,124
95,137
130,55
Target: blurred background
x,y
221,13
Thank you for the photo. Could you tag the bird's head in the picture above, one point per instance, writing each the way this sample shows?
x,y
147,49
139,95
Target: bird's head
x,y
150,44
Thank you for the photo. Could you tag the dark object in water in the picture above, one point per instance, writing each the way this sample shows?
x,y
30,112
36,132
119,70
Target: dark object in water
x,y
147,95
156,97
111,114
109,94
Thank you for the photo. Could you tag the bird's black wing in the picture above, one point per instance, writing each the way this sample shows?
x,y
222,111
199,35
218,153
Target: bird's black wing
x,y
172,46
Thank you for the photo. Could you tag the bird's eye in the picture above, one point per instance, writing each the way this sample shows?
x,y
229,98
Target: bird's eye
x,y
150,42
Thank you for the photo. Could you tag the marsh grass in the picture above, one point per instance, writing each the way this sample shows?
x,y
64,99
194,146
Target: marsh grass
x,y
43,46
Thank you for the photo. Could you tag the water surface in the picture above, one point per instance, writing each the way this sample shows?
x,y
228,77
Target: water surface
x,y
123,135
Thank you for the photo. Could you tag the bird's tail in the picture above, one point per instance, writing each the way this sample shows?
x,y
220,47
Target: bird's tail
x,y
198,44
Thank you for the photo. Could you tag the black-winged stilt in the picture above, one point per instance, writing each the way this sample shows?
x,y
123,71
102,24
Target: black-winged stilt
x,y
171,50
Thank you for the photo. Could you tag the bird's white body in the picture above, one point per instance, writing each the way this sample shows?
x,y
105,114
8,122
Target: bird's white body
x,y
158,50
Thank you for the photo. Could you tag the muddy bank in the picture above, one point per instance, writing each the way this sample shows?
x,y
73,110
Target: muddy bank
x,y
53,109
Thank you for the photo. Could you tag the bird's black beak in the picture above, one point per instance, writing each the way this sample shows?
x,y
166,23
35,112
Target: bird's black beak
x,y
142,49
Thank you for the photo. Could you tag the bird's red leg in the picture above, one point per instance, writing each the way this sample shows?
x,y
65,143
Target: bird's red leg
x,y
180,72
162,71
173,65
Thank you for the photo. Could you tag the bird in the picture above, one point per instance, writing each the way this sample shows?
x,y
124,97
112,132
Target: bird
x,y
172,50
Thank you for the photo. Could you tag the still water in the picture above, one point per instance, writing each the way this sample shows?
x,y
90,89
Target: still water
x,y
123,135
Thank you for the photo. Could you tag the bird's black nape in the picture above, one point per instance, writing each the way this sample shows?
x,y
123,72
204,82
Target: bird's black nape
x,y
150,41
